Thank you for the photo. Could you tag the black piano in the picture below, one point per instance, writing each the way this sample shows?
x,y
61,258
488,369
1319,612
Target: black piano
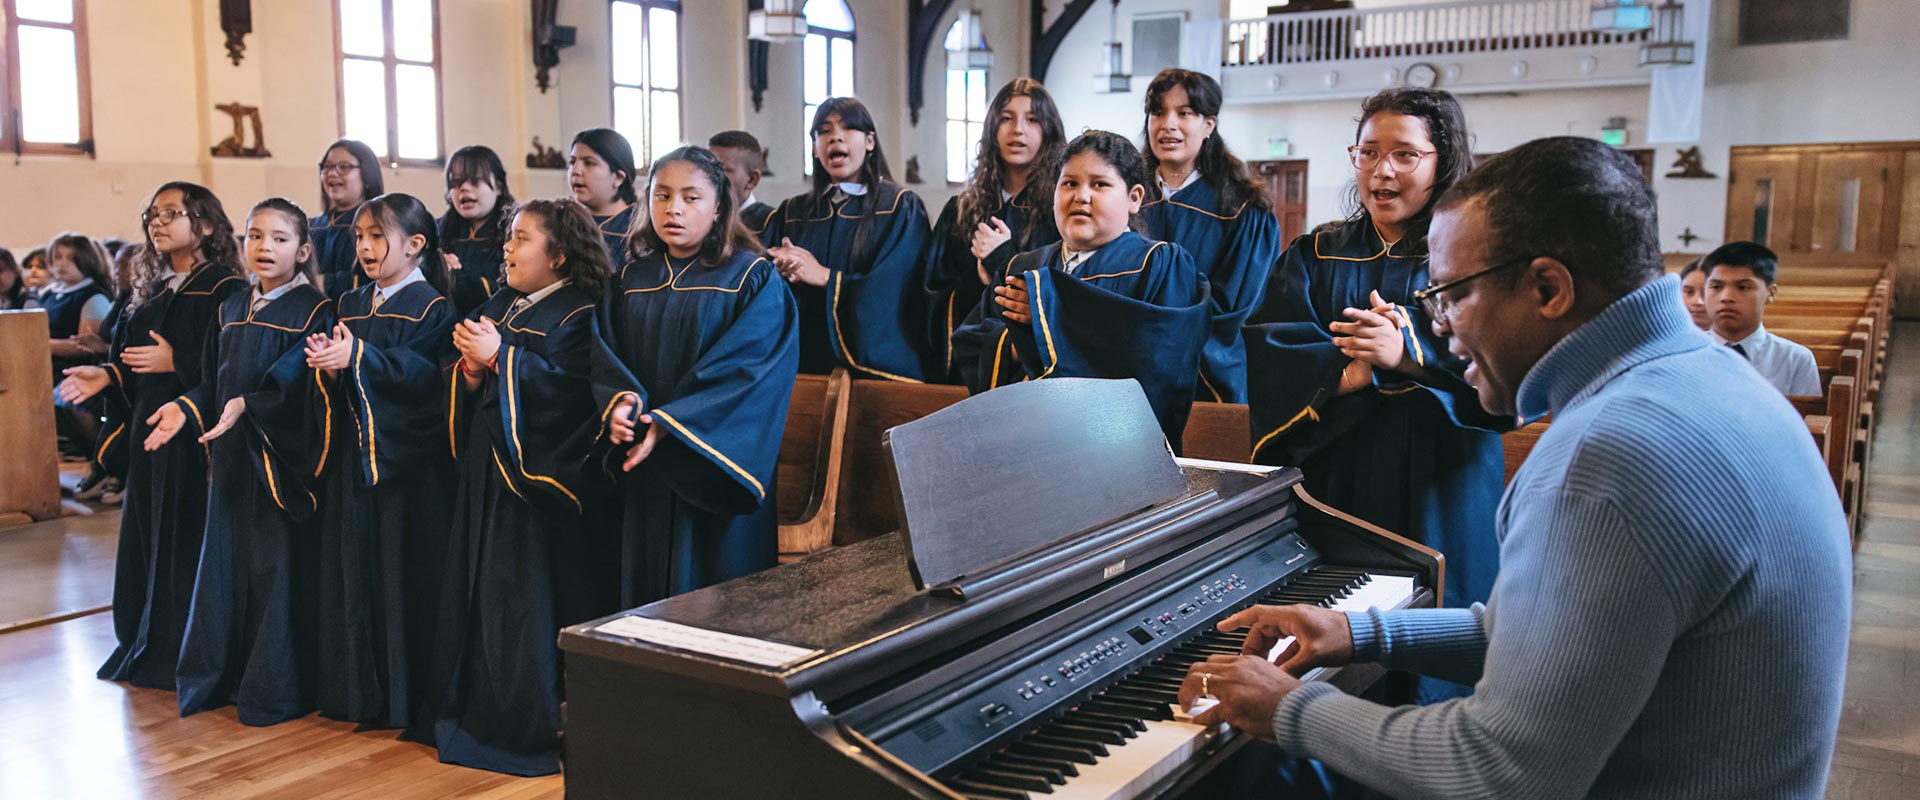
x,y
853,674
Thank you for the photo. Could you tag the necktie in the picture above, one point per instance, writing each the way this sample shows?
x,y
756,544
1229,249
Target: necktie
x,y
378,298
1741,350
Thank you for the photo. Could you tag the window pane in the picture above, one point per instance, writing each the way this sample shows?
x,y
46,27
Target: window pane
x,y
664,42
956,94
976,94
49,86
364,85
666,124
629,45
630,114
413,30
842,67
816,69
362,30
956,151
806,141
419,110
60,11
830,14
955,32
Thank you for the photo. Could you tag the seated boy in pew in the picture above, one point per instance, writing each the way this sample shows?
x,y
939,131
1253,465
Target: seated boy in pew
x,y
1740,284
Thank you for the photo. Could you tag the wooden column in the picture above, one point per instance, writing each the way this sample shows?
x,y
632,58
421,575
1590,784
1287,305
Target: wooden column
x,y
29,462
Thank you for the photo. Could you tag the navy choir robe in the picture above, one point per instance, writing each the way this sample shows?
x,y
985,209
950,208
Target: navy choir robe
x,y
754,216
869,315
1420,460
518,547
953,276
711,353
384,506
334,256
480,259
249,638
613,231
1235,248
1136,309
163,513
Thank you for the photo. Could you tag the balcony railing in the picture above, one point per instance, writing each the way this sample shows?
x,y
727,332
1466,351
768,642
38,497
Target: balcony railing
x,y
1471,26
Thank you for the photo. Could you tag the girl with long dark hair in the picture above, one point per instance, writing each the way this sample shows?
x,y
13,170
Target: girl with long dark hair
x,y
1348,381
1204,200
349,174
479,206
600,170
851,248
1006,208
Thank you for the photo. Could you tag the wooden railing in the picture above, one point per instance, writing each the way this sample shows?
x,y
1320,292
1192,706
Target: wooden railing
x,y
1469,26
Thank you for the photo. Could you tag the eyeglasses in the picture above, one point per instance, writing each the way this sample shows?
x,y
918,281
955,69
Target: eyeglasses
x,y
340,168
1433,299
1403,159
162,216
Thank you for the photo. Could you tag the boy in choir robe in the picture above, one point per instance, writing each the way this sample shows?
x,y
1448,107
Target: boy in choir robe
x,y
388,490
1006,209
600,171
1740,284
1347,380
156,355
1104,302
349,174
746,163
473,230
1693,293
1203,199
249,637
852,248
701,351
520,561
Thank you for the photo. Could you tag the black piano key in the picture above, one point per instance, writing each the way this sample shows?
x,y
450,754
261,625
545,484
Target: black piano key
x,y
1044,750
1118,719
1124,730
1103,735
1058,765
1068,740
975,789
1152,711
1138,696
1000,762
1010,780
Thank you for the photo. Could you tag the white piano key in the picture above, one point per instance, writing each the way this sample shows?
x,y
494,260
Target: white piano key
x,y
1379,591
1130,769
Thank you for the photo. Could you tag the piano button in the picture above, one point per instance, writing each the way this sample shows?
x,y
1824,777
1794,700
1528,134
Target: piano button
x,y
1012,780
974,789
1090,746
1042,746
1115,719
1097,734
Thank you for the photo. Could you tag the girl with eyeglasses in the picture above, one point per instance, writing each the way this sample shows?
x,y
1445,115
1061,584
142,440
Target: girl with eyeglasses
x,y
187,269
349,174
1346,379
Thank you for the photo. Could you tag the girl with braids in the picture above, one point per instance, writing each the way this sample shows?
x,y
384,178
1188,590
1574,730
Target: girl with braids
x,y
1110,302
349,174
383,519
249,636
157,354
703,337
1203,199
479,206
851,248
521,422
1347,380
1006,208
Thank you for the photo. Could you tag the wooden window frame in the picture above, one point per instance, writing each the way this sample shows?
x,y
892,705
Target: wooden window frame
x,y
12,139
389,62
643,150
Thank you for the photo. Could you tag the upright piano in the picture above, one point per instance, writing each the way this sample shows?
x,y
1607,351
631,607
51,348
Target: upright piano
x,y
845,676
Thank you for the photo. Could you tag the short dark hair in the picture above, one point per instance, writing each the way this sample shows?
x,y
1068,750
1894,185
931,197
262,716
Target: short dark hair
x,y
1118,151
1696,265
1752,255
740,140
1573,199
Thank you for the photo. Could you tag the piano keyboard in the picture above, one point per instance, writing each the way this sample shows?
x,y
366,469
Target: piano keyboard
x,y
1125,739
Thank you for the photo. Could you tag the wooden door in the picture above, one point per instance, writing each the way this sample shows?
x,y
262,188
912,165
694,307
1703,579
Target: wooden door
x,y
1762,199
1850,200
1287,187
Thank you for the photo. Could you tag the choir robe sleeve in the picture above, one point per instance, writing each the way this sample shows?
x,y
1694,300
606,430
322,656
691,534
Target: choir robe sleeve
x,y
1238,282
1293,369
1082,329
947,287
983,348
385,389
289,419
871,313
720,434
197,400
547,428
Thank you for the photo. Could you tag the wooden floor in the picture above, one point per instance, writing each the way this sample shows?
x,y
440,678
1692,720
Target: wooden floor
x,y
65,734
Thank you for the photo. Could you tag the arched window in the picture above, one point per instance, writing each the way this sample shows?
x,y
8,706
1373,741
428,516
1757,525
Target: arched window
x,y
828,71
966,104
646,75
390,76
44,105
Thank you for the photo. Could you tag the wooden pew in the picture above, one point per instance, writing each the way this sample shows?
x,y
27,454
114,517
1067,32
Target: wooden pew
x,y
1517,444
30,472
812,448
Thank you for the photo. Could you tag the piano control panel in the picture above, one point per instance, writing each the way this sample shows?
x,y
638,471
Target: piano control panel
x,y
1092,660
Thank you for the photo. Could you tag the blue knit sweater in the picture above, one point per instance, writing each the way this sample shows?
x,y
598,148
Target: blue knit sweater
x,y
1672,610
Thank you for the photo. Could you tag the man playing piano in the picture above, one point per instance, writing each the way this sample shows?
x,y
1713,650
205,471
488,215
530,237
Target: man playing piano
x,y
1639,642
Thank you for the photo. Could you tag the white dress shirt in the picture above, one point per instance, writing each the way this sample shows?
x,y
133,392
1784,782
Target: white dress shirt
x,y
1788,365
261,299
383,294
1167,191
